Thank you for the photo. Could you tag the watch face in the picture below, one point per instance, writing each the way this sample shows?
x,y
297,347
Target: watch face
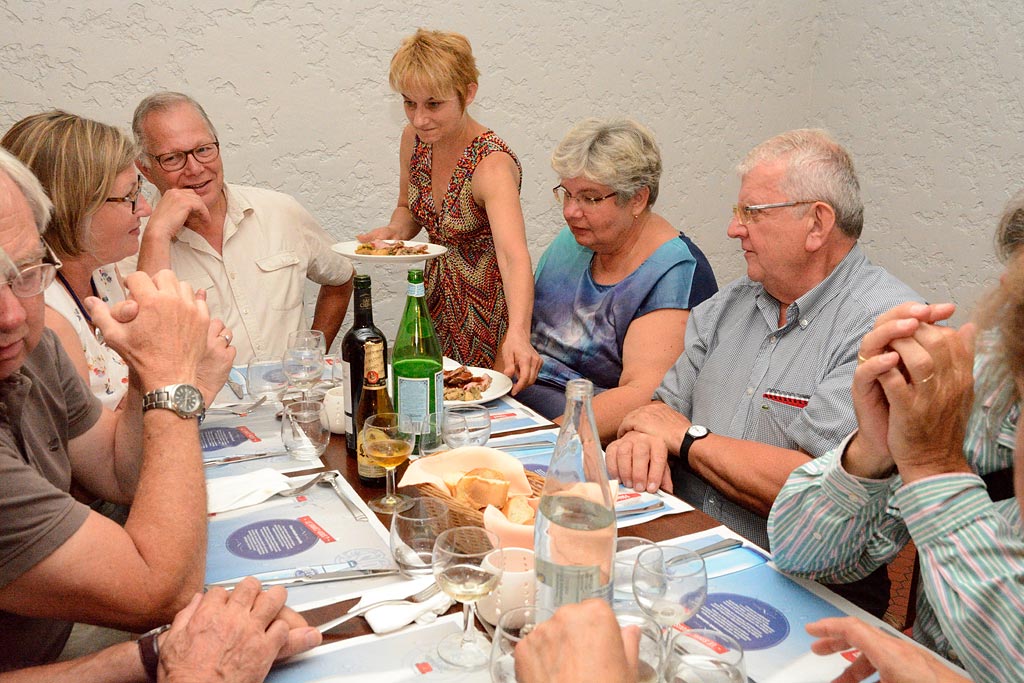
x,y
187,398
697,431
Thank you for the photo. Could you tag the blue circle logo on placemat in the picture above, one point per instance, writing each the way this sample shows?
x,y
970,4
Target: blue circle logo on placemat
x,y
537,469
755,624
271,539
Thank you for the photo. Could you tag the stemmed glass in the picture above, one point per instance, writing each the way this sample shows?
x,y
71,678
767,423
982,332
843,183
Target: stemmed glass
x,y
303,366
466,426
705,656
265,377
461,572
307,339
387,440
670,584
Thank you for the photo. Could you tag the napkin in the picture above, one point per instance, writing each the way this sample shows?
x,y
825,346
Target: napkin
x,y
242,490
388,618
431,469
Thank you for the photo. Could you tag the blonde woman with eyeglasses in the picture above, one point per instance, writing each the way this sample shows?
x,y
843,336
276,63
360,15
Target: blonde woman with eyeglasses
x,y
88,170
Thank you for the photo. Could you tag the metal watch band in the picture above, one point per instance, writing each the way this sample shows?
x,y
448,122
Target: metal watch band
x,y
149,650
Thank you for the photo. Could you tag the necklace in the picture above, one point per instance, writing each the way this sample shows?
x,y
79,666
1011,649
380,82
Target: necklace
x,y
78,302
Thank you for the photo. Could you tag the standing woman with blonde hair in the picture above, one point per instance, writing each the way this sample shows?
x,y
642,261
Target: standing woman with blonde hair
x,y
461,182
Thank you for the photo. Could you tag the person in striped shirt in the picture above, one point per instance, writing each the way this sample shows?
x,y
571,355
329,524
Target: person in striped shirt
x,y
927,466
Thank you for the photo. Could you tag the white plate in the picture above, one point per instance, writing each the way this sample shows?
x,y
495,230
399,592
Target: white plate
x,y
500,385
349,249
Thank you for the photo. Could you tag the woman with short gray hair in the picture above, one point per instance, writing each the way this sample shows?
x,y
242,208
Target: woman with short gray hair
x,y
614,289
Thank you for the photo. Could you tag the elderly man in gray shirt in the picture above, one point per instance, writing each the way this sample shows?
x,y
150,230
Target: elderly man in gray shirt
x,y
763,385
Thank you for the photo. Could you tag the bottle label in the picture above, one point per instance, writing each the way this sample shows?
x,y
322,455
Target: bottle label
x,y
346,382
413,396
417,289
365,466
560,584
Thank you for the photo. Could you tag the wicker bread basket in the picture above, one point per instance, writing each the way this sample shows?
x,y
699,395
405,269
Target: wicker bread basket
x,y
459,513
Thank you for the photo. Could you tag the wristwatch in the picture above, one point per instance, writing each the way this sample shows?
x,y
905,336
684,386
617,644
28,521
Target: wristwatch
x,y
149,651
694,433
184,399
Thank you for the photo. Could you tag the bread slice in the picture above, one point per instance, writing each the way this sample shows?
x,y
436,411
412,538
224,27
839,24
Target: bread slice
x,y
451,480
519,511
481,487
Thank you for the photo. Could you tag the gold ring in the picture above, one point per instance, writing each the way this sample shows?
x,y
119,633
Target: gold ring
x,y
861,358
929,378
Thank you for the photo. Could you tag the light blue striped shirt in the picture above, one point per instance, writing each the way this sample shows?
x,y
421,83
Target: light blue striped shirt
x,y
831,526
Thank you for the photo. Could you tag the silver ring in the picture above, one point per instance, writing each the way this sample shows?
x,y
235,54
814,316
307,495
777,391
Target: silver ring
x,y
225,337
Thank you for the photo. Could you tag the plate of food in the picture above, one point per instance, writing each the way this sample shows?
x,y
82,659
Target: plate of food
x,y
395,251
465,385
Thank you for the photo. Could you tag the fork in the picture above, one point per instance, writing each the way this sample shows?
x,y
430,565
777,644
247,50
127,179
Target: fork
x,y
302,488
419,597
242,412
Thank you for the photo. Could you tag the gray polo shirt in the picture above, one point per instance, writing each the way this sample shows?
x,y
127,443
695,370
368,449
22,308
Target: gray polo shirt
x,y
736,353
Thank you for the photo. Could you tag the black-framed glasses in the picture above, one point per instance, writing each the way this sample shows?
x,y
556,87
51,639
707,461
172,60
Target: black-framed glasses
x,y
175,161
746,214
132,197
585,200
32,279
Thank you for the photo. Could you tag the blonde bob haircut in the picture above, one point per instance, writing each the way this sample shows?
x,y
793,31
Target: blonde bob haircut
x,y
619,153
439,61
77,161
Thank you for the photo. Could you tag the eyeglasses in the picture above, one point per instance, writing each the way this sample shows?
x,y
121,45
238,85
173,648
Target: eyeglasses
x,y
132,197
32,280
175,161
586,202
746,214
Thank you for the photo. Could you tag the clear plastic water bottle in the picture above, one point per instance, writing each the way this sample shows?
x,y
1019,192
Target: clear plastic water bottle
x,y
574,534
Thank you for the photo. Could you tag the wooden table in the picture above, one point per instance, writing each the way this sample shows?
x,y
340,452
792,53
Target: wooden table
x,y
337,458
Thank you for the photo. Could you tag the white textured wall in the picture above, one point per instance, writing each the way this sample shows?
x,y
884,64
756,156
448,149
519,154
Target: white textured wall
x,y
920,92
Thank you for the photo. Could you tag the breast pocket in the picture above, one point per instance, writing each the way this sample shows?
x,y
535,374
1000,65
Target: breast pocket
x,y
282,281
203,281
772,423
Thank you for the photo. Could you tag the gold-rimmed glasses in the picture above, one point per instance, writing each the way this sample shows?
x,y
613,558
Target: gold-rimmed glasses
x,y
132,197
586,201
746,214
175,161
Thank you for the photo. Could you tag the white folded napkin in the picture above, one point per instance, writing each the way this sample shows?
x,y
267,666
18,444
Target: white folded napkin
x,y
231,493
388,618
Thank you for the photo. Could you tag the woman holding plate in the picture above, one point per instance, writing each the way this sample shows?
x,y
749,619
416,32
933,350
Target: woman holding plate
x,y
461,182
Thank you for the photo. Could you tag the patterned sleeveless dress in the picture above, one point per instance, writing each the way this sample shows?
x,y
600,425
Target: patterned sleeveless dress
x,y
464,289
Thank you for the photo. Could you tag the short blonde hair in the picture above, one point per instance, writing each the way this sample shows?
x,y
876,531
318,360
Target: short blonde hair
x,y
77,161
619,153
440,61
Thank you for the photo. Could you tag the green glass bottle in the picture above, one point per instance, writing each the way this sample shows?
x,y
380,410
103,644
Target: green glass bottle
x,y
416,358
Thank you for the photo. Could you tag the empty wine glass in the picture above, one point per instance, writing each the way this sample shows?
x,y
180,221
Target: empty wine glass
x,y
704,656
307,339
670,584
387,439
512,627
466,426
430,438
414,532
626,550
461,572
303,366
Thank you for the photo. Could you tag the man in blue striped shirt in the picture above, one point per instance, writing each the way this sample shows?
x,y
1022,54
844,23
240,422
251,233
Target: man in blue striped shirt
x,y
763,385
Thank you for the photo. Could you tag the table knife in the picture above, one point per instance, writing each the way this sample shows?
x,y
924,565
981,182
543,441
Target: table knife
x,y
719,547
235,387
242,458
630,512
325,577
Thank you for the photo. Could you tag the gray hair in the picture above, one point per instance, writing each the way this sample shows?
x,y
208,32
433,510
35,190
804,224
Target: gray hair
x,y
31,189
161,102
1010,232
818,168
619,153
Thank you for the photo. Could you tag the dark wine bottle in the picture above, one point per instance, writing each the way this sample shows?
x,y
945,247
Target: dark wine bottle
x,y
353,353
374,399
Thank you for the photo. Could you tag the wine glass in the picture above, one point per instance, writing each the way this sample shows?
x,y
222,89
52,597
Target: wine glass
x,y
670,584
303,366
626,550
512,627
466,426
387,439
307,339
413,534
461,572
704,656
430,437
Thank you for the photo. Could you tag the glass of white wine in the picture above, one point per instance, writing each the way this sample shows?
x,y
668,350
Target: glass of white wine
x,y
705,656
670,584
388,439
461,572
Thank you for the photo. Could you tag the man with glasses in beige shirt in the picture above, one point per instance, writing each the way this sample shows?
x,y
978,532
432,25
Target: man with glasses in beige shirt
x,y
251,249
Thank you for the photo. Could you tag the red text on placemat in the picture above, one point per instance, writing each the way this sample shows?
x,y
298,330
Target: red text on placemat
x,y
316,529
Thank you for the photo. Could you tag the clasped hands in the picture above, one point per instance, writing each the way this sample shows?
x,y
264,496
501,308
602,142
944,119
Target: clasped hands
x,y
646,438
912,393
